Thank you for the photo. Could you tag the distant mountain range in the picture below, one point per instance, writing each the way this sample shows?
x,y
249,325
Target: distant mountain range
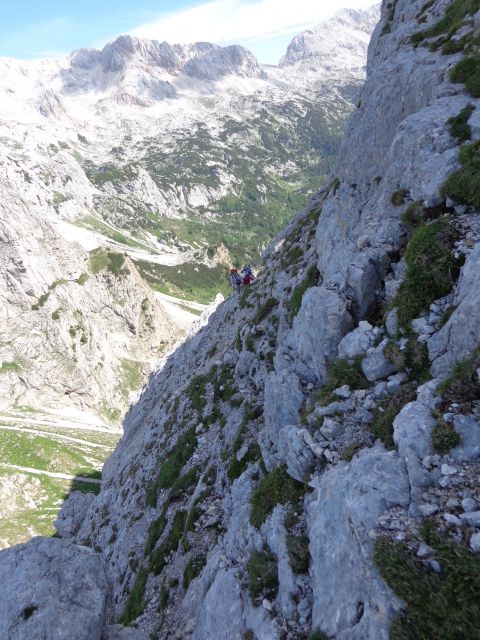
x,y
183,157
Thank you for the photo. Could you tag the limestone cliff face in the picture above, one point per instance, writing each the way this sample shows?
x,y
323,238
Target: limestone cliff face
x,y
273,448
78,329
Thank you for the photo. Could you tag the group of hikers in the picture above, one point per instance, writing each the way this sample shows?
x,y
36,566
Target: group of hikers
x,y
242,279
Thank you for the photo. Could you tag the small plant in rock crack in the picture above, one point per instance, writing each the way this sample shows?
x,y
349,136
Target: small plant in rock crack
x,y
262,573
444,437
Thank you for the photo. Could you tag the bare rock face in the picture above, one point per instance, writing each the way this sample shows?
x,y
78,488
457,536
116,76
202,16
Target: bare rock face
x,y
203,523
52,589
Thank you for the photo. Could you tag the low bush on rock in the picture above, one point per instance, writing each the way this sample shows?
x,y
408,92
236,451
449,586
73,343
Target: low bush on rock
x,y
444,437
342,372
398,197
276,488
262,576
299,554
463,186
295,301
463,386
444,605
459,126
382,425
193,569
432,269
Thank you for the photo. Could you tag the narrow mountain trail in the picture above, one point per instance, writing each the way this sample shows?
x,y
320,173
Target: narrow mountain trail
x,y
58,436
59,425
50,474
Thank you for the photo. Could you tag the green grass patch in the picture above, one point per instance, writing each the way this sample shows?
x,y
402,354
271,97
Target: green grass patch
x,y
445,605
135,604
295,302
237,467
170,470
262,576
102,259
398,197
299,554
459,126
341,372
451,22
463,186
277,487
10,367
265,310
389,408
432,269
444,437
193,569
463,386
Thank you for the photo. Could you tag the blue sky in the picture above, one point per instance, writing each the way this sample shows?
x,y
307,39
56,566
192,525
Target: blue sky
x,y
54,28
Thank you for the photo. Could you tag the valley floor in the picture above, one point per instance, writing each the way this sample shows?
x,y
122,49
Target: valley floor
x,y
43,459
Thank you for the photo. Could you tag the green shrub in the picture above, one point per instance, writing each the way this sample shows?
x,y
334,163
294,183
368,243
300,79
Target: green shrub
x,y
463,386
265,310
431,269
444,437
193,569
299,554
390,407
276,488
413,216
398,197
451,22
444,605
351,450
10,367
135,602
171,468
317,635
463,186
459,126
343,372
467,71
237,467
295,302
262,576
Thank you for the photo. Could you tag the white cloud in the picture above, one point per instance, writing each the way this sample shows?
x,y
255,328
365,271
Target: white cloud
x,y
226,21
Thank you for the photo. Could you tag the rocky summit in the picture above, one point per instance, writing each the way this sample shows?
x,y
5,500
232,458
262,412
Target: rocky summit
x,y
307,464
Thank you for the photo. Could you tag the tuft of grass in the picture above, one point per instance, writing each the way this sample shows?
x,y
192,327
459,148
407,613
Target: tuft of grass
x,y
447,26
193,569
467,72
10,367
196,392
444,605
413,216
237,467
82,278
463,186
171,468
277,487
342,372
136,600
390,407
444,437
459,126
463,385
432,269
295,302
299,554
351,450
446,315
262,576
398,197
265,310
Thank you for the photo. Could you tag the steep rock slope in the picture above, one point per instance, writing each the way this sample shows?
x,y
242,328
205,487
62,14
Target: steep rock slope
x,y
274,475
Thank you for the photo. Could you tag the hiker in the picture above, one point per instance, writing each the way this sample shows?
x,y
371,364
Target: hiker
x,y
236,280
247,275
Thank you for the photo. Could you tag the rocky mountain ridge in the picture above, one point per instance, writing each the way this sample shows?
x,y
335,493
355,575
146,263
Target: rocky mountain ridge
x,y
306,465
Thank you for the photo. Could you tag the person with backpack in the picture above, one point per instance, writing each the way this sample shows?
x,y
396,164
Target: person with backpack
x,y
247,275
236,280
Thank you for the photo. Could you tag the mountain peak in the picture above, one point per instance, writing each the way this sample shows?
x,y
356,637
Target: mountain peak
x,y
345,35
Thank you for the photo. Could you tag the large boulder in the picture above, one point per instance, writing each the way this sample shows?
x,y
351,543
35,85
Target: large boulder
x,y
321,323
350,599
52,590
